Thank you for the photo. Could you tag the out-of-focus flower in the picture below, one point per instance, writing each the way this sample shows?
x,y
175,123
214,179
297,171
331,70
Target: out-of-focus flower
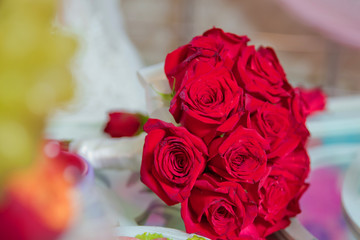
x,y
124,124
37,202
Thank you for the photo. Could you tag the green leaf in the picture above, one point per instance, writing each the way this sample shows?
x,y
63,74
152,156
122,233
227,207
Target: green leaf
x,y
143,120
166,96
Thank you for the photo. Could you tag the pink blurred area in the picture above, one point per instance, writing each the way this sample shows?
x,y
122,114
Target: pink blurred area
x,y
337,19
321,205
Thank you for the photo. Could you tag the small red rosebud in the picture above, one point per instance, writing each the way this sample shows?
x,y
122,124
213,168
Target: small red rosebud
x,y
123,124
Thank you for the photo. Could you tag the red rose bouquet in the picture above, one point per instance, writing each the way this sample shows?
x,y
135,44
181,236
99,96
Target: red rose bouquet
x,y
237,162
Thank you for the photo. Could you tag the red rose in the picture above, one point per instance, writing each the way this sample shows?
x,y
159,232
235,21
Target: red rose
x,y
172,160
294,166
247,151
207,101
260,73
241,156
276,125
271,121
275,196
280,192
218,210
122,124
279,199
213,48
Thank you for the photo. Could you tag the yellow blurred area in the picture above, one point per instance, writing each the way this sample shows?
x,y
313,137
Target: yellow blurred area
x,y
34,77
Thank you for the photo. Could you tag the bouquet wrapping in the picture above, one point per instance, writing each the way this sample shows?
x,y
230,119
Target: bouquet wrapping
x,y
237,159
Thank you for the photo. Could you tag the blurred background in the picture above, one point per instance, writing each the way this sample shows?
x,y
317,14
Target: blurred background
x,y
309,57
64,65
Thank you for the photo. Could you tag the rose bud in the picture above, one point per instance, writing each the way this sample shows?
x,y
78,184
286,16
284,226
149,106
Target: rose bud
x,y
213,48
260,74
218,210
123,124
205,102
173,159
241,156
306,102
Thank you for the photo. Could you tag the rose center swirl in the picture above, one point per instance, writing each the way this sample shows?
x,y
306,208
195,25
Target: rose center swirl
x,y
175,160
276,124
241,161
208,98
221,217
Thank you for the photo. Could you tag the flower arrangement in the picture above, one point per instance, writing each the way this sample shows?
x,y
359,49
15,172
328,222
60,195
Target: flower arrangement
x,y
237,161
